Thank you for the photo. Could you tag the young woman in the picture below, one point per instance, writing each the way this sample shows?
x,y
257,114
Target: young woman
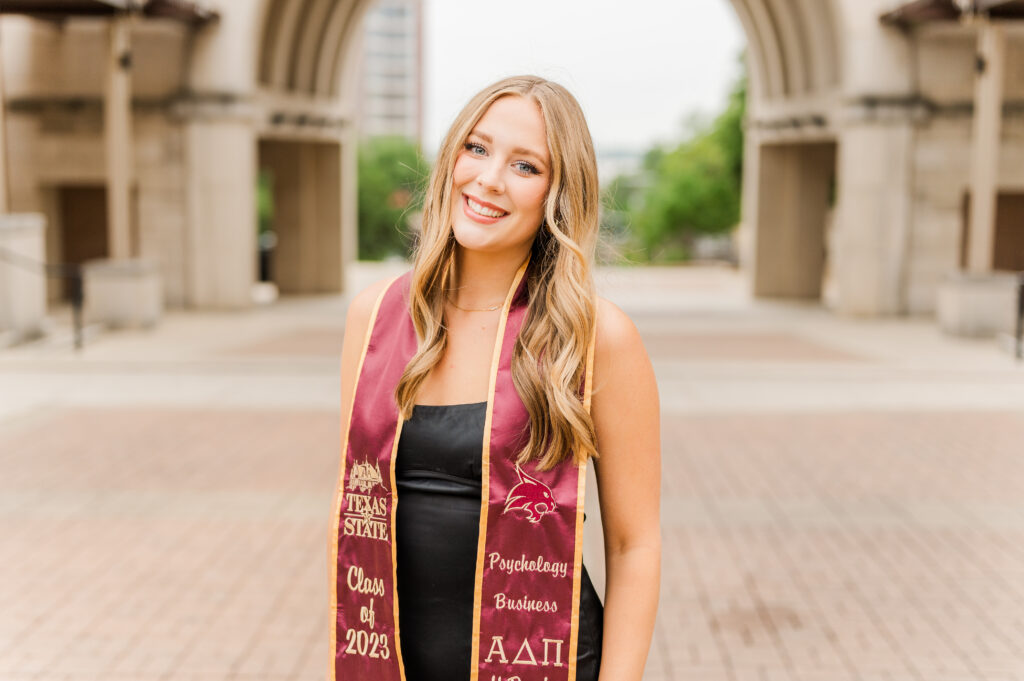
x,y
475,387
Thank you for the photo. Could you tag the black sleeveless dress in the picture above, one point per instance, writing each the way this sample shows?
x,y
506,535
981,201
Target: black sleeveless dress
x,y
438,474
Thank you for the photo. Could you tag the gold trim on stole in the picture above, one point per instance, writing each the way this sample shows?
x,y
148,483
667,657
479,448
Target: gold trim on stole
x,y
394,549
577,574
485,494
339,491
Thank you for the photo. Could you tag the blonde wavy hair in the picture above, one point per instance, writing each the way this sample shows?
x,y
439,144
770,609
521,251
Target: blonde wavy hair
x,y
549,357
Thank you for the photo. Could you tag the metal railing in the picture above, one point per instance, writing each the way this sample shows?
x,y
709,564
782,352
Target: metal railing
x,y
69,271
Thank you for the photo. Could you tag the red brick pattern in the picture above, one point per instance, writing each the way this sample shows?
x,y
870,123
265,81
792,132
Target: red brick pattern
x,y
843,546
842,499
190,544
165,544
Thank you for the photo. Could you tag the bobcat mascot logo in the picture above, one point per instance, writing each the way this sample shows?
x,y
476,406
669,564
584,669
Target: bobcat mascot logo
x,y
530,495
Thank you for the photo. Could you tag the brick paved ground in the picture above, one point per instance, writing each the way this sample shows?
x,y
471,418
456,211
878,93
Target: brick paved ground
x,y
842,500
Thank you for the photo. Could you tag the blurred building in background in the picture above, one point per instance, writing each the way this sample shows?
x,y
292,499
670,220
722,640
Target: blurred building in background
x,y
138,128
883,171
391,73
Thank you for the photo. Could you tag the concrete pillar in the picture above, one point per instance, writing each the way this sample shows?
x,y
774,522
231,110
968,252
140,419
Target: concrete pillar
x,y
793,182
22,288
5,205
979,301
746,233
221,234
873,217
307,214
349,199
291,212
329,255
117,129
988,112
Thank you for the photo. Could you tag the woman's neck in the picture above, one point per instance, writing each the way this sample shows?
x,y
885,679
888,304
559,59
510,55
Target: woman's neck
x,y
483,279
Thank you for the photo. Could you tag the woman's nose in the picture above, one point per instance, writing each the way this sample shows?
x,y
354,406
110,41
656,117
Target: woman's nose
x,y
490,178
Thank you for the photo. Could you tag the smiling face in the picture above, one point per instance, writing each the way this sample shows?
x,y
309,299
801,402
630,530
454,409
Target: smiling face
x,y
501,178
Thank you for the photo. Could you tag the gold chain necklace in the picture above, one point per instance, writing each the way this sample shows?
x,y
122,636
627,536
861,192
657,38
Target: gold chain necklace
x,y
473,309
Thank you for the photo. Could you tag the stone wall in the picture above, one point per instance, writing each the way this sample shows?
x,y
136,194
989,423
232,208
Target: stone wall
x,y
54,91
941,161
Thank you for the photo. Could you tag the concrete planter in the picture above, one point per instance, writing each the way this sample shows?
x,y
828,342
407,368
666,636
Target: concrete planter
x,y
122,293
977,305
22,277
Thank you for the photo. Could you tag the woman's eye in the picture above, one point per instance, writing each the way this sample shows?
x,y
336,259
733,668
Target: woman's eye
x,y
522,166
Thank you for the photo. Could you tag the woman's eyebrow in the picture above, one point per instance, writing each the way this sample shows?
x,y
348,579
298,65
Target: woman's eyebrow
x,y
518,150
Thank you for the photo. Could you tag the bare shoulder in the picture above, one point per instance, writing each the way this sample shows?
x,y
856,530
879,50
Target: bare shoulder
x,y
618,344
361,306
357,322
613,325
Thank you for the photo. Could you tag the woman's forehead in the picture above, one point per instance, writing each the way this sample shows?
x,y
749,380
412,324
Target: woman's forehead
x,y
515,123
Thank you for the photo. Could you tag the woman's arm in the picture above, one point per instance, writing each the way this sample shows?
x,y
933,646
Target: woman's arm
x,y
626,411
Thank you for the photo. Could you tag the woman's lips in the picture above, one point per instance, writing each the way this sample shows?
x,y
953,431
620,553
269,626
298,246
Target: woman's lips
x,y
477,217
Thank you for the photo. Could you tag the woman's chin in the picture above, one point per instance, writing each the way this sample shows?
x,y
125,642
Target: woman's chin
x,y
476,237
477,246
488,238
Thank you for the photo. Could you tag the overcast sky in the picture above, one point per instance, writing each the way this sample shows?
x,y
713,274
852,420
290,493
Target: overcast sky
x,y
637,68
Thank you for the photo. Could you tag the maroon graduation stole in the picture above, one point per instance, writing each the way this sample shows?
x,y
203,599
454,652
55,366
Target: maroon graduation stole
x,y
529,553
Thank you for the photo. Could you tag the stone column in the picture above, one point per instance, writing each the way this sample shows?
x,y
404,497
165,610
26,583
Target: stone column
x,y
330,253
349,200
4,197
221,236
988,112
120,290
22,289
793,185
307,214
872,216
117,124
978,301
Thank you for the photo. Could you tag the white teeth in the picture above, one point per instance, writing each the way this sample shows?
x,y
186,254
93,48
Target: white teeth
x,y
477,208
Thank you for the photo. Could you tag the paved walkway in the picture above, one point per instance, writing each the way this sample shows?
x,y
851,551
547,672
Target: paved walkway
x,y
843,499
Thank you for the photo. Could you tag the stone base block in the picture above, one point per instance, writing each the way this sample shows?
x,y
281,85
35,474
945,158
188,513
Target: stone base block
x,y
122,293
22,277
976,305
1008,344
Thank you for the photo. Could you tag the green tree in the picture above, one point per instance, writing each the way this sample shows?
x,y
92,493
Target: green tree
x,y
392,173
617,244
693,189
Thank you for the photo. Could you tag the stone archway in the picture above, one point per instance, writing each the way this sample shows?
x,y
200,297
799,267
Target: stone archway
x,y
794,46
302,70
302,63
790,156
305,74
305,46
286,106
812,126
